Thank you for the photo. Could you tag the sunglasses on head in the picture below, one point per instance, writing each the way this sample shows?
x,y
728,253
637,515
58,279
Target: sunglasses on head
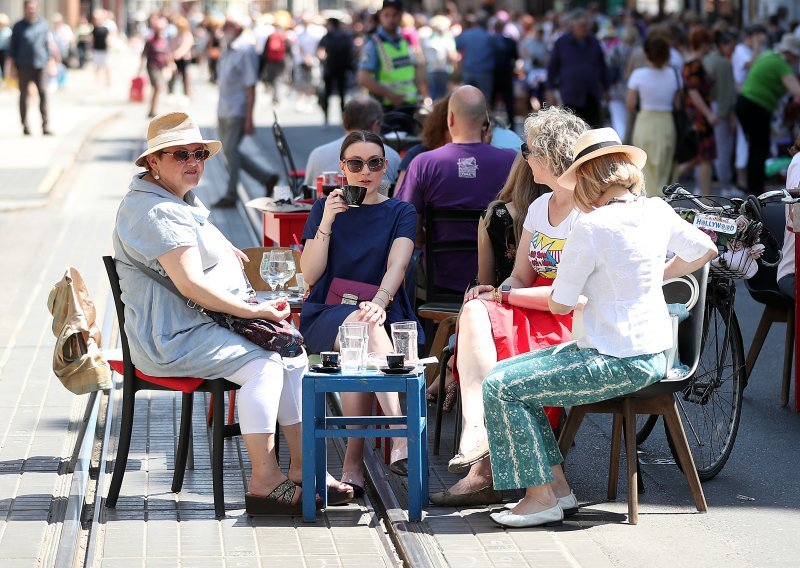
x,y
526,152
183,155
355,165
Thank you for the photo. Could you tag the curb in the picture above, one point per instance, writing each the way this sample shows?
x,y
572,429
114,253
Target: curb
x,y
64,157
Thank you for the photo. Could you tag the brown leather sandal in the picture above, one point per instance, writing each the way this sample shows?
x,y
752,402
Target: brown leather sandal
x,y
279,502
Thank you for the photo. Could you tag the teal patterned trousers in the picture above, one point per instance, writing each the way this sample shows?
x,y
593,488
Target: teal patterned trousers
x,y
522,446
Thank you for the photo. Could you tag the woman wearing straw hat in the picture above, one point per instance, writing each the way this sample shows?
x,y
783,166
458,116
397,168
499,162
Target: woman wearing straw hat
x,y
162,224
614,257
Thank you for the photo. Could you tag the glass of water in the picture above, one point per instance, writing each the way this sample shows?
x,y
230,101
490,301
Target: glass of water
x,y
290,267
404,339
267,271
350,350
359,331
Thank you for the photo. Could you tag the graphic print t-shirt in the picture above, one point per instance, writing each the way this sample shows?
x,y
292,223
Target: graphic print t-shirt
x,y
547,243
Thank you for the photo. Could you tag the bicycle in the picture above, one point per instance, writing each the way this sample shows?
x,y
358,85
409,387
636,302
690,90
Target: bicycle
x,y
711,405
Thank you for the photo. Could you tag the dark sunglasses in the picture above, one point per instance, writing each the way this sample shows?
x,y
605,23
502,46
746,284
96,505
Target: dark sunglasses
x,y
526,152
183,155
373,164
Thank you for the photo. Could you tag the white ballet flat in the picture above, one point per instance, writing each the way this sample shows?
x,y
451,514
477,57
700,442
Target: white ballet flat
x,y
549,517
568,504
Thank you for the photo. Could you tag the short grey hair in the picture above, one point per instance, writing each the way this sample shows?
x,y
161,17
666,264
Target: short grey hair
x,y
551,134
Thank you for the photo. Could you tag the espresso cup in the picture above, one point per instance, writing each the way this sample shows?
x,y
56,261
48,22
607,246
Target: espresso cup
x,y
354,195
395,360
329,358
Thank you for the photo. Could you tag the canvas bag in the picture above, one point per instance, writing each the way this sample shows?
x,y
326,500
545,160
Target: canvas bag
x,y
77,360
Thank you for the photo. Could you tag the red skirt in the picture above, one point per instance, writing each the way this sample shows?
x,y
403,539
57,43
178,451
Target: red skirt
x,y
517,330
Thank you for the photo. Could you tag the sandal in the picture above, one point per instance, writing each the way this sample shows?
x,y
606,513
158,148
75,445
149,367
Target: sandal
x,y
280,501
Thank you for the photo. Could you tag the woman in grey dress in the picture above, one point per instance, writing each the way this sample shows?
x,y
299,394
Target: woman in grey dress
x,y
162,224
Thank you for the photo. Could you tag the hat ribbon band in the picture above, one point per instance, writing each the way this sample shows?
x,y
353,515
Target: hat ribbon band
x,y
593,147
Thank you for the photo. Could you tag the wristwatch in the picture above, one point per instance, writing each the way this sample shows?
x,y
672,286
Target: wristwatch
x,y
505,292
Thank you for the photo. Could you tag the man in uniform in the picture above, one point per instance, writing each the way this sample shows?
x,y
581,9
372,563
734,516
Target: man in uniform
x,y
388,68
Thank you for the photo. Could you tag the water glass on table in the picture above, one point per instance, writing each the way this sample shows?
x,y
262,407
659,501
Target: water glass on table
x,y
359,330
350,349
404,339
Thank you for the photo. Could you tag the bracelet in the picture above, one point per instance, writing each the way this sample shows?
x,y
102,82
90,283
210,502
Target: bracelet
x,y
388,295
498,296
324,233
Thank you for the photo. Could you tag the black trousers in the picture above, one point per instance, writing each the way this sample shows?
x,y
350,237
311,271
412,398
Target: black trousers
x,y
589,112
756,123
334,83
2,64
504,88
26,76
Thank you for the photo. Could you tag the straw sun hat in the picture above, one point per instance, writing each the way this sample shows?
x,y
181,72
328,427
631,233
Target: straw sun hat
x,y
599,142
174,129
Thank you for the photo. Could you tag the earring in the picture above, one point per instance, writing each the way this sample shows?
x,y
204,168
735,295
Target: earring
x,y
156,176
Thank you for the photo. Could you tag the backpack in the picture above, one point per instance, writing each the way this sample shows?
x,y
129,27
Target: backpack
x,y
275,50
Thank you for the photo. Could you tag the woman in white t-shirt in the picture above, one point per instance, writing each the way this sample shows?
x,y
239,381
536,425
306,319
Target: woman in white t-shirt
x,y
497,323
613,263
786,270
653,88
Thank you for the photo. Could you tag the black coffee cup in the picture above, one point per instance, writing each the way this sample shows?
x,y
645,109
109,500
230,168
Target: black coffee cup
x,y
395,360
354,195
329,358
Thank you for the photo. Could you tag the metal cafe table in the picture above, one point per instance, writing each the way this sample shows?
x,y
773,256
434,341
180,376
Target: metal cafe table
x,y
317,427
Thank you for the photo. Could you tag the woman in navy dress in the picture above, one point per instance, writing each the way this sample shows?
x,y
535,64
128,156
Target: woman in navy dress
x,y
372,244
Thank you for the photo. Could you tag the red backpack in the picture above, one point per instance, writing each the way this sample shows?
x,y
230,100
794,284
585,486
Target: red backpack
x,y
275,49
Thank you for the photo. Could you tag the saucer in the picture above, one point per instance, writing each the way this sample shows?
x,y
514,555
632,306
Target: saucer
x,y
398,371
321,369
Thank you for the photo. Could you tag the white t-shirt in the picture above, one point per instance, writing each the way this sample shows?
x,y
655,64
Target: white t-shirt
x,y
615,257
548,241
656,87
786,265
740,58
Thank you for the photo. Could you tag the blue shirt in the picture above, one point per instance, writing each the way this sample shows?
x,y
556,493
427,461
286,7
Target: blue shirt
x,y
577,69
29,44
477,50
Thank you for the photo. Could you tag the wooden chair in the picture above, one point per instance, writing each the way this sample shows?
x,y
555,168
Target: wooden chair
x,y
778,307
134,381
294,177
658,398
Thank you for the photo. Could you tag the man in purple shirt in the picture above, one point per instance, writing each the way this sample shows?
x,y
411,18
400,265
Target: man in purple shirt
x,y
465,174
578,71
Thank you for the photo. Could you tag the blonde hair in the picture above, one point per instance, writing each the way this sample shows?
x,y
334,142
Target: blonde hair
x,y
520,190
595,176
551,134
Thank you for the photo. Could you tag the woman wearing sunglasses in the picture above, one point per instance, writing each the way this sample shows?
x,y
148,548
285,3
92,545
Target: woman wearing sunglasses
x,y
162,224
498,323
370,244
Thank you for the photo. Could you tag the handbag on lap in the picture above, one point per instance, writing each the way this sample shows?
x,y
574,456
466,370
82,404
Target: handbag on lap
x,y
344,291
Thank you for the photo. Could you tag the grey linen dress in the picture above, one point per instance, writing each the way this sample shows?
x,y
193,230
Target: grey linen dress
x,y
167,338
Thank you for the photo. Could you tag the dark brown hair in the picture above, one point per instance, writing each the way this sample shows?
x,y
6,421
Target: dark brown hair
x,y
700,37
656,49
361,136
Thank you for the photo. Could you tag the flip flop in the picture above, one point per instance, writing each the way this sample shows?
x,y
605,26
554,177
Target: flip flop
x,y
279,502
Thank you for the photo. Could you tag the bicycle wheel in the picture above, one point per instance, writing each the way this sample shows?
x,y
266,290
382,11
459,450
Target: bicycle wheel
x,y
711,405
644,426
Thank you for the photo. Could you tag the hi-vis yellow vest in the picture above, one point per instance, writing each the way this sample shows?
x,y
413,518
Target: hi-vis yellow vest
x,y
397,70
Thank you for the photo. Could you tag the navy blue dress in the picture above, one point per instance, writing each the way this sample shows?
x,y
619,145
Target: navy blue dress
x,y
359,249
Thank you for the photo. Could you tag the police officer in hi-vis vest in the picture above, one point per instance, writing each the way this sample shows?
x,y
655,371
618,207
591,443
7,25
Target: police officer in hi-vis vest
x,y
388,68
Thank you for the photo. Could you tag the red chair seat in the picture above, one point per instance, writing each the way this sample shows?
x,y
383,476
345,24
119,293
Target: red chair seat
x,y
297,174
183,384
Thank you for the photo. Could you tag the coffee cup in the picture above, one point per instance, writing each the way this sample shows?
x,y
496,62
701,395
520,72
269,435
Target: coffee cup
x,y
395,360
329,358
354,195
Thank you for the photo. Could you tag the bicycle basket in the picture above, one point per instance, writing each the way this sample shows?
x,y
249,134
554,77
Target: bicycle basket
x,y
738,240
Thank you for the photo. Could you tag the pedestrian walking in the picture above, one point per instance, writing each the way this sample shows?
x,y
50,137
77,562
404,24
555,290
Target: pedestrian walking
x,y
273,61
157,58
723,98
337,56
477,55
28,53
182,44
306,62
505,63
100,37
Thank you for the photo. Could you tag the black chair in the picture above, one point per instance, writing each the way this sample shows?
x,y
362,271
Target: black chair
x,y
778,307
658,398
294,177
134,381
441,305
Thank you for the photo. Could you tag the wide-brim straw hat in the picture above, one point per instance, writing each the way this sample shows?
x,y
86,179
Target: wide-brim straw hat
x,y
599,142
789,43
174,129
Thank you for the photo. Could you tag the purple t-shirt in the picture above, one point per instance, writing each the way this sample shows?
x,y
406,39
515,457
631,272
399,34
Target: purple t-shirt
x,y
459,176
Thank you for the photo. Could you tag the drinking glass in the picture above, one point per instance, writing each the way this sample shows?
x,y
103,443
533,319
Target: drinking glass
x,y
290,266
279,267
359,330
404,339
351,349
267,272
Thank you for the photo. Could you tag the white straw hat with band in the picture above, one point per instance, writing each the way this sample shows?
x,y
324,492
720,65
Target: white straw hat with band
x,y
599,142
174,129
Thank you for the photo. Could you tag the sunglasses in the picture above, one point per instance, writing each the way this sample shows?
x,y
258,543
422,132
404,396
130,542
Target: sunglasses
x,y
183,155
526,152
373,164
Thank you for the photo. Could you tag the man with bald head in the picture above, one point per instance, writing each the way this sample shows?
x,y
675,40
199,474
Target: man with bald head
x,y
464,174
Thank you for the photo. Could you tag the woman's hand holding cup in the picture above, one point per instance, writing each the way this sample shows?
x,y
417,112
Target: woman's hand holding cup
x,y
334,204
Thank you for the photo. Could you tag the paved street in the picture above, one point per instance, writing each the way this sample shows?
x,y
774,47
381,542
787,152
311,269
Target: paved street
x,y
58,197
